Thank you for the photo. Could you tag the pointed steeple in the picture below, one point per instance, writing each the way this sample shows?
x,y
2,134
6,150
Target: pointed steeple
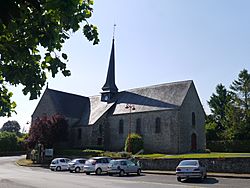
x,y
110,85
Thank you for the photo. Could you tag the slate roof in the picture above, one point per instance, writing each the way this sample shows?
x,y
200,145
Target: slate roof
x,y
88,110
153,98
67,104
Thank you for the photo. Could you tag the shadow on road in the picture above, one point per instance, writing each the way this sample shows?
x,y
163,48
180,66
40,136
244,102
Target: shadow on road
x,y
206,181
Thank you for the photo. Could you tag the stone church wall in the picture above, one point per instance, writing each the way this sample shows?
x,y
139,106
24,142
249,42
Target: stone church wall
x,y
163,142
192,104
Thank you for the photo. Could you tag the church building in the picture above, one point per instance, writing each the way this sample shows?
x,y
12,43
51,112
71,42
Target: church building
x,y
169,117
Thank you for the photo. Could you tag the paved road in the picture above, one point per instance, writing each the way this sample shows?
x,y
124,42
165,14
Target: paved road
x,y
13,176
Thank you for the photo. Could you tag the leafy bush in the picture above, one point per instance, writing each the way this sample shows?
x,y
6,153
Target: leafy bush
x,y
8,142
134,143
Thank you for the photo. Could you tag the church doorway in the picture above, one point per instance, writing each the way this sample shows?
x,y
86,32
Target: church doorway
x,y
193,142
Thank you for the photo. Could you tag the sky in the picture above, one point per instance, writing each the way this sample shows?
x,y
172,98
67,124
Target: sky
x,y
156,42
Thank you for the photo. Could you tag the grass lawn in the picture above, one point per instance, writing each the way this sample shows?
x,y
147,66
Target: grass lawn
x,y
195,155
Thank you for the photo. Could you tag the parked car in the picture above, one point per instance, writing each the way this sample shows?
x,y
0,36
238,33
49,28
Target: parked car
x,y
59,164
123,166
191,169
76,165
97,165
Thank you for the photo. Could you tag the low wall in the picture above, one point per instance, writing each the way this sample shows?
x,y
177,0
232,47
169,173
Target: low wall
x,y
230,165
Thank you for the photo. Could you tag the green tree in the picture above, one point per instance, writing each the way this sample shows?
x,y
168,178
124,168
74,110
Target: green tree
x,y
8,142
134,143
241,90
26,26
11,126
241,95
218,104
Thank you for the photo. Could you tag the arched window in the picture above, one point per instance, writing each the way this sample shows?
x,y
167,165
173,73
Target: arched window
x,y
79,134
193,119
158,125
138,126
121,122
100,129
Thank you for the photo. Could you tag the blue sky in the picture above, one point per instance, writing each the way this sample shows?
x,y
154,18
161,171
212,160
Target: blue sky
x,y
207,41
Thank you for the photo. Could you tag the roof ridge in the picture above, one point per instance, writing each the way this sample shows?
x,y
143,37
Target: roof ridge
x,y
63,92
158,85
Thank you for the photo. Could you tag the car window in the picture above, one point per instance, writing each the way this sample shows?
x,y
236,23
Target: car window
x,y
62,160
82,161
124,163
67,160
90,161
188,163
130,163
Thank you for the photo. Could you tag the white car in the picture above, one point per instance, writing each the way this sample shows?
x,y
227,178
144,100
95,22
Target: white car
x,y
76,165
123,166
97,165
191,169
59,164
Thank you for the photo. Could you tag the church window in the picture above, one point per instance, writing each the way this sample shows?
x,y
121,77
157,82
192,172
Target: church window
x,y
121,122
158,125
138,126
193,119
100,129
79,134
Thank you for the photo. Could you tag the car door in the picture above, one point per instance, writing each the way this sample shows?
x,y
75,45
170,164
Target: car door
x,y
64,164
131,167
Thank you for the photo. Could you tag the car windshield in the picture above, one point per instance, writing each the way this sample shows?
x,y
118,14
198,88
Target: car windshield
x,y
54,162
188,163
74,160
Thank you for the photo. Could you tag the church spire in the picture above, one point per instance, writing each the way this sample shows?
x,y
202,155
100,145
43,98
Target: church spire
x,y
109,88
110,80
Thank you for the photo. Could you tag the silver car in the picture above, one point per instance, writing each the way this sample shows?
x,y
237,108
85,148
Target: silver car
x,y
76,165
123,166
59,164
97,165
191,169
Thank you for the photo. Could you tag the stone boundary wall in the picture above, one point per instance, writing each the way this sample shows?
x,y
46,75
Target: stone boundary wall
x,y
226,165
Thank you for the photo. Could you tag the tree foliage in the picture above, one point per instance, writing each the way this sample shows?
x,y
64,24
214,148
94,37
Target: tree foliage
x,y
11,126
230,111
8,142
134,143
26,26
48,131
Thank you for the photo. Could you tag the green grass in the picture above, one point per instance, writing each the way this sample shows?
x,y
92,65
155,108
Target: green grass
x,y
195,155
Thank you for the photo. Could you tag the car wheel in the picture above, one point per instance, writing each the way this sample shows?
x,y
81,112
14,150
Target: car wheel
x,y
121,173
178,178
58,168
87,173
139,172
77,169
98,171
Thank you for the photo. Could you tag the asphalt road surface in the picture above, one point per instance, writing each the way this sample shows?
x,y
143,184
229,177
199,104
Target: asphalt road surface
x,y
13,176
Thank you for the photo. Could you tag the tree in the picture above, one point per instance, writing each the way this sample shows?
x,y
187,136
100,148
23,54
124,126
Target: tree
x,y
134,143
241,91
11,126
26,26
218,104
8,142
48,131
